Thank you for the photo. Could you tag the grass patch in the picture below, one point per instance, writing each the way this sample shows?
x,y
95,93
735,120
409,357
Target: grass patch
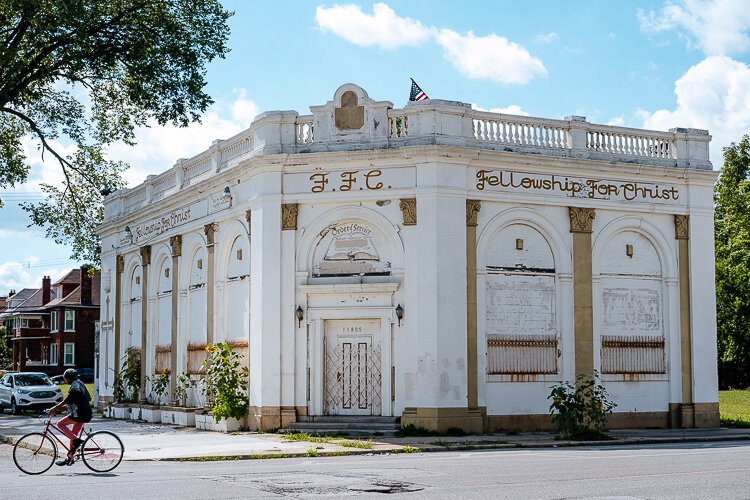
x,y
65,387
363,445
304,436
466,446
734,408
312,452
410,449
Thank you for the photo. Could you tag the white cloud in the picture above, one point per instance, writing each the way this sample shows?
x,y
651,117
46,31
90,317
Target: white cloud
x,y
715,95
513,109
490,57
549,37
715,26
16,275
382,28
158,148
617,121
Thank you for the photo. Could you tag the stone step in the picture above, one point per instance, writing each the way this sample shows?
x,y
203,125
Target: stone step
x,y
352,432
304,426
349,419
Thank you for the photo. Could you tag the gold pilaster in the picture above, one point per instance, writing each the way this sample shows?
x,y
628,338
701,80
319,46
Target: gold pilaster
x,y
175,242
119,269
581,223
145,263
210,230
472,213
682,235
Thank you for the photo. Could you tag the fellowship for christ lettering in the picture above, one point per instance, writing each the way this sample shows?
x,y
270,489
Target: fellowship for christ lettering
x,y
576,187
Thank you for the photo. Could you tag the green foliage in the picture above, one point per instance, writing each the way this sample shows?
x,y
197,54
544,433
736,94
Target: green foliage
x,y
6,351
732,243
82,75
159,386
580,408
182,386
410,449
128,384
414,430
225,382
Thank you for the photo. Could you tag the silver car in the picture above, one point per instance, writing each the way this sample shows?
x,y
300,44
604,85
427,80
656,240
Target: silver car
x,y
28,391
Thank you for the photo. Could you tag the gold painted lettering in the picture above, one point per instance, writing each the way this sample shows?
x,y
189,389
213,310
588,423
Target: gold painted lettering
x,y
320,181
348,180
373,173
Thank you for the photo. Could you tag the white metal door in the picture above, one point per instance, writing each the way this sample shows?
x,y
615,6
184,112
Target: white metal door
x,y
352,373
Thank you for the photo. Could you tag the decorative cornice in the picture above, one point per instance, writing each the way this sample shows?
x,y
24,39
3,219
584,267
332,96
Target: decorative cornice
x,y
176,243
210,231
289,213
472,212
682,227
581,219
146,255
120,264
409,211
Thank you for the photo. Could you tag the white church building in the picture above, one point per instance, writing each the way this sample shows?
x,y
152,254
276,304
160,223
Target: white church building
x,y
435,263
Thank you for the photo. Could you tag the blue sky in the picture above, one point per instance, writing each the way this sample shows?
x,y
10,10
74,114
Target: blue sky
x,y
658,64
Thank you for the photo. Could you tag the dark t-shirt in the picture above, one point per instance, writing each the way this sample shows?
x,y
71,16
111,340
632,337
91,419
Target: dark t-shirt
x,y
77,400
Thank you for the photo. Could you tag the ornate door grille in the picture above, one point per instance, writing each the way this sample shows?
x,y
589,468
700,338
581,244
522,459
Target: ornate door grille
x,y
352,377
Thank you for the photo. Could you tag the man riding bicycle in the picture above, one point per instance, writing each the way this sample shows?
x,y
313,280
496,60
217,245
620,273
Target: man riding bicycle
x,y
79,413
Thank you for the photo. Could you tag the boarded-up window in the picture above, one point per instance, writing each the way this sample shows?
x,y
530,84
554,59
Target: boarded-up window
x,y
520,298
196,354
163,358
631,307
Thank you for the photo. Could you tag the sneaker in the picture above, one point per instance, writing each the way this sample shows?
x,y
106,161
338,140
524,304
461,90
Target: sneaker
x,y
65,461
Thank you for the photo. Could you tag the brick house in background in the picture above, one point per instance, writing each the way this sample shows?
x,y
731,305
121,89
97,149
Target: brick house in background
x,y
52,328
72,320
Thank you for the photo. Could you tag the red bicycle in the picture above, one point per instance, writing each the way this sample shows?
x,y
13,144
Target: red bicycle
x,y
35,452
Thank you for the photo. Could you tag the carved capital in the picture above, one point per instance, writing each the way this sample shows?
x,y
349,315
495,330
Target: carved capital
x,y
682,227
146,255
581,219
472,212
120,264
289,213
409,211
210,232
176,243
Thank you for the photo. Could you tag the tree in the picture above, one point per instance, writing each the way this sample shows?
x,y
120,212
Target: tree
x,y
732,242
6,351
85,73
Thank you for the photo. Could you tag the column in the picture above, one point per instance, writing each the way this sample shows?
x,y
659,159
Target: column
x,y
145,263
581,222
120,268
472,213
175,242
210,231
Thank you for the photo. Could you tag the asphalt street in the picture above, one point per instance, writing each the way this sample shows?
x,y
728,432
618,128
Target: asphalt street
x,y
689,470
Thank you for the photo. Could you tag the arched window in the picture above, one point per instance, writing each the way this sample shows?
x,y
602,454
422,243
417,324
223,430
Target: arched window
x,y
521,302
631,306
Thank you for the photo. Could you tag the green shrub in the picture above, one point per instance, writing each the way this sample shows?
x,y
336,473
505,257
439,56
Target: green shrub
x,y
582,408
128,385
226,382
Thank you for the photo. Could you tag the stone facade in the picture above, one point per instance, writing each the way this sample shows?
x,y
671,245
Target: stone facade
x,y
436,263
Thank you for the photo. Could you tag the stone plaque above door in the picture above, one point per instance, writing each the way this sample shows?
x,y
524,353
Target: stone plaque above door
x,y
349,116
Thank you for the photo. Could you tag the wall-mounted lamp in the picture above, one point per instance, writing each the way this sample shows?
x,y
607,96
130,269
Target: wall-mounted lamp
x,y
629,251
300,314
399,313
519,244
166,273
227,192
129,233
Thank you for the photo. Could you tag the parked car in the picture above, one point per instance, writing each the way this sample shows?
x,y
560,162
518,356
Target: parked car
x,y
85,375
28,391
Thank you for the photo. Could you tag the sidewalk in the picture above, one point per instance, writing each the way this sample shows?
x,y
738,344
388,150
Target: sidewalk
x,y
167,442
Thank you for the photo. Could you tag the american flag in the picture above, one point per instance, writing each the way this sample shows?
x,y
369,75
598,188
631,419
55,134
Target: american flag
x,y
417,94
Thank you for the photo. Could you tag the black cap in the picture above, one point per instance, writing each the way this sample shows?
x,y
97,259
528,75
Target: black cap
x,y
70,374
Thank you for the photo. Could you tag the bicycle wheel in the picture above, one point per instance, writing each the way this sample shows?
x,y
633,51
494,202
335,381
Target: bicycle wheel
x,y
102,451
34,453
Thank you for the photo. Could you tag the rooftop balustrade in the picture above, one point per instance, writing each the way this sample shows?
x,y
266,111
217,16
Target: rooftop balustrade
x,y
435,122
